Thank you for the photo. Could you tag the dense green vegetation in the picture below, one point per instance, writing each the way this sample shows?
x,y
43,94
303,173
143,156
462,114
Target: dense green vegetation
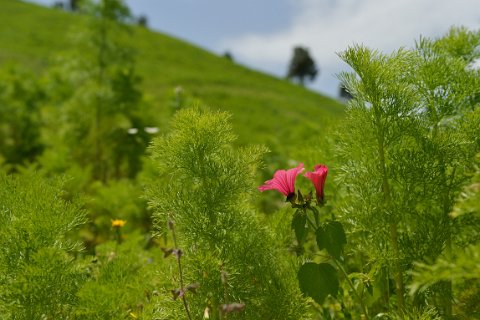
x,y
34,36
124,196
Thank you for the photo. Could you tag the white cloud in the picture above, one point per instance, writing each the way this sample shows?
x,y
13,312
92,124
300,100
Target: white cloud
x,y
329,26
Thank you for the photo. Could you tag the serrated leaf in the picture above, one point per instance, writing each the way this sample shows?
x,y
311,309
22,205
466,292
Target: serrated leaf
x,y
331,236
318,281
299,222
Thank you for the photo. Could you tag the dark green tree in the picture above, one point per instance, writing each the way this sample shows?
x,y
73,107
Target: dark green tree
x,y
228,55
302,66
142,21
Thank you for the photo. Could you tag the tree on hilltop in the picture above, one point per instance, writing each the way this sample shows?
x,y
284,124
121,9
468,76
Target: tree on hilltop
x,y
302,65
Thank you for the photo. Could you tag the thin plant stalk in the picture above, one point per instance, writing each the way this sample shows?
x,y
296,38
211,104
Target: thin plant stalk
x,y
339,266
360,300
178,255
388,203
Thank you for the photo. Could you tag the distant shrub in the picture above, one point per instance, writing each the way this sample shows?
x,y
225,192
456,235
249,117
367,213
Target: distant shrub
x,y
142,21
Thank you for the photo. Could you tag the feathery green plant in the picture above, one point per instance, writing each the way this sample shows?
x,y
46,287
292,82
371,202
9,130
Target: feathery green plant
x,y
461,267
39,276
378,118
121,280
406,148
204,187
447,91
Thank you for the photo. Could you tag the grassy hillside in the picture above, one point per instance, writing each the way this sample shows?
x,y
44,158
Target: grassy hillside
x,y
265,109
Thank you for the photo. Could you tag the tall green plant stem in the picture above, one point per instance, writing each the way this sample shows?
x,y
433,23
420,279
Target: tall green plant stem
x,y
29,295
339,266
360,300
387,202
446,207
447,299
182,287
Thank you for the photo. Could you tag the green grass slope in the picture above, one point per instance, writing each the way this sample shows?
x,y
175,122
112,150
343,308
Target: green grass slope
x,y
265,109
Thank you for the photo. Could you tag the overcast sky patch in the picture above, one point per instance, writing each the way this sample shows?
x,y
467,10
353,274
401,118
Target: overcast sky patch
x,y
261,34
327,27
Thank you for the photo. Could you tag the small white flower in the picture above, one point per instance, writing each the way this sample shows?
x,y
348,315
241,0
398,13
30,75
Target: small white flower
x,y
206,313
151,130
178,90
132,131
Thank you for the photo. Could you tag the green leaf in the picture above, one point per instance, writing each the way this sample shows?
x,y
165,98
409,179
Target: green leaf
x,y
299,222
315,214
369,288
300,196
331,236
318,281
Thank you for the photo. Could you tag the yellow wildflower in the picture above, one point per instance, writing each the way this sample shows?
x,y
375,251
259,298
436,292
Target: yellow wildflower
x,y
118,223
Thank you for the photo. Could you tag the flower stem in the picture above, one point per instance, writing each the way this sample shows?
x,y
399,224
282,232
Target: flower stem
x,y
339,266
314,226
387,203
184,300
360,300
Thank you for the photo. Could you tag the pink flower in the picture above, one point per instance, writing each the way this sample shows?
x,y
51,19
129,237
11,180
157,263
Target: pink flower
x,y
283,181
318,178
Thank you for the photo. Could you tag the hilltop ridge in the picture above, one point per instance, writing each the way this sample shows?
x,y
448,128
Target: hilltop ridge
x,y
265,109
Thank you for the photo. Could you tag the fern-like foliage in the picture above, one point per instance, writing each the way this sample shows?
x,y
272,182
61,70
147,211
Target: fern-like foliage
x,y
406,148
463,266
39,278
204,186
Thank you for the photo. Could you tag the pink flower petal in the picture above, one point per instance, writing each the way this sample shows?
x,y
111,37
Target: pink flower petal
x,y
283,181
318,178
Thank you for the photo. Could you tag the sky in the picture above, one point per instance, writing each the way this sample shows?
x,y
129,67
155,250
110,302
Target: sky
x,y
261,34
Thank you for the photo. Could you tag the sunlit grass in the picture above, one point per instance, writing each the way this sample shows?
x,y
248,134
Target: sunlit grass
x,y
265,109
